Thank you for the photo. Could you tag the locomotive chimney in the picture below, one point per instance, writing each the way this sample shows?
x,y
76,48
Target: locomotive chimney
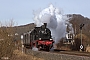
x,y
45,24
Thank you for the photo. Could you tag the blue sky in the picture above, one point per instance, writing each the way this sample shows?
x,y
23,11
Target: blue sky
x,y
21,11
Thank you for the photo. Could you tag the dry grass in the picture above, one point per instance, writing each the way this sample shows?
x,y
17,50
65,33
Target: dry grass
x,y
88,48
18,55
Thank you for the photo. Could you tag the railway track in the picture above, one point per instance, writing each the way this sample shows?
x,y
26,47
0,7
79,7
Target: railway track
x,y
60,55
78,53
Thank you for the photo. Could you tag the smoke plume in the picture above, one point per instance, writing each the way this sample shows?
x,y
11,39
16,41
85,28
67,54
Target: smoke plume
x,y
56,21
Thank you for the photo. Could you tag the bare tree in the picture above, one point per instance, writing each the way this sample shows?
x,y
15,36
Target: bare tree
x,y
6,39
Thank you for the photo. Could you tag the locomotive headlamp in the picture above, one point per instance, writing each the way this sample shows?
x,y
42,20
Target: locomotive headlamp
x,y
39,38
50,39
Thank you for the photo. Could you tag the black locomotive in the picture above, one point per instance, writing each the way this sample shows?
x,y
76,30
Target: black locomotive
x,y
39,37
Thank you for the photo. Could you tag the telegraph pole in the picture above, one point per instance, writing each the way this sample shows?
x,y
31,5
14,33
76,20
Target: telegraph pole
x,y
22,43
81,46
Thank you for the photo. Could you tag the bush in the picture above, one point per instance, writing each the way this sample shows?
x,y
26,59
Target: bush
x,y
6,41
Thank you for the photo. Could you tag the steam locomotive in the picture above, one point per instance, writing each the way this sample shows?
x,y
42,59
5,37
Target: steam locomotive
x,y
39,37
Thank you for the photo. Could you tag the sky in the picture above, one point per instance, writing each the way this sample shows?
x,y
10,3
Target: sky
x,y
21,11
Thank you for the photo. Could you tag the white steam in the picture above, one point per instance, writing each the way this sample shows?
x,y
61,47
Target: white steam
x,y
56,22
35,49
